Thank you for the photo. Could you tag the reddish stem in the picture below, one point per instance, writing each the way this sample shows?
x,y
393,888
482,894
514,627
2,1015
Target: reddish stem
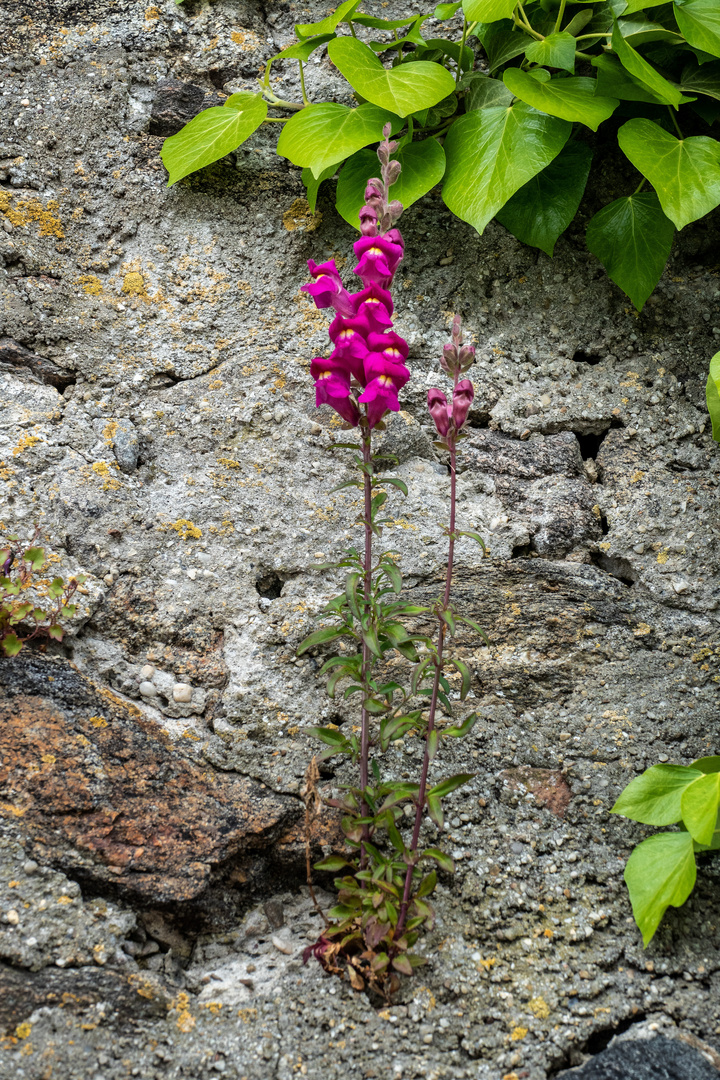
x,y
420,804
366,660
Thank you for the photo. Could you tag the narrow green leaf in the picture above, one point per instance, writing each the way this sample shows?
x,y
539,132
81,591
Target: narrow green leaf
x,y
330,24
434,806
423,166
403,965
465,675
427,885
632,239
555,51
432,744
572,99
401,90
700,803
322,135
453,782
459,731
634,63
543,208
684,172
329,736
370,638
654,797
660,873
329,633
444,861
492,152
212,134
332,862
699,21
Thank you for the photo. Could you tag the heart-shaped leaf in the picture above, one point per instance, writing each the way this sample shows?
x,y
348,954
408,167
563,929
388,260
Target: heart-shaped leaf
x,y
614,81
712,394
556,51
493,152
641,31
323,135
312,183
488,11
571,99
659,873
632,239
633,63
401,90
501,42
212,134
423,166
699,21
544,207
484,92
684,172
654,797
702,80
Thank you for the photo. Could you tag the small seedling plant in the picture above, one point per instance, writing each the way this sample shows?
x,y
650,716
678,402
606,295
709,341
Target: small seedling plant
x,y
22,619
503,113
386,874
661,871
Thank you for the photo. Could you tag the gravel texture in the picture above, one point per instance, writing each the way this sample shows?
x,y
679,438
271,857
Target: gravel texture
x,y
158,422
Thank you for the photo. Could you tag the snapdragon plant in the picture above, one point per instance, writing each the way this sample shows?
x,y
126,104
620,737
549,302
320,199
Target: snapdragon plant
x,y
386,875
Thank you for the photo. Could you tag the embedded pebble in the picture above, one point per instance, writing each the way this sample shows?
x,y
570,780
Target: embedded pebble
x,y
182,692
282,946
147,689
147,672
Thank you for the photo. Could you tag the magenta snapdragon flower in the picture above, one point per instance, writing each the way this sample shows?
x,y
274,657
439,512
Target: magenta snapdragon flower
x,y
367,365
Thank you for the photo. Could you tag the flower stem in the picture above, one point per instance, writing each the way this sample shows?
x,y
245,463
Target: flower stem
x,y
420,805
366,658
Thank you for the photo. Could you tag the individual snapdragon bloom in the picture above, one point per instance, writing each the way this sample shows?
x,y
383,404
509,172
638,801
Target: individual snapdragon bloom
x,y
326,287
379,259
450,418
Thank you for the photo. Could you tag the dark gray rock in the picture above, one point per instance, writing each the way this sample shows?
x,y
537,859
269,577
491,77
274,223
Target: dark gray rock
x,y
656,1059
126,446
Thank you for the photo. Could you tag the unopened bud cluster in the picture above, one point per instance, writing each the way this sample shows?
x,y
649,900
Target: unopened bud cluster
x,y
450,418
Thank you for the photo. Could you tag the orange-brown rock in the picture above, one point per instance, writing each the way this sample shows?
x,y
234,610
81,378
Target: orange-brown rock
x,y
101,792
547,786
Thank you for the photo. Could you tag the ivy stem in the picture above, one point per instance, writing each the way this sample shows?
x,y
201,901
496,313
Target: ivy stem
x,y
675,123
521,19
462,50
302,84
561,12
640,186
420,804
366,659
592,37
280,103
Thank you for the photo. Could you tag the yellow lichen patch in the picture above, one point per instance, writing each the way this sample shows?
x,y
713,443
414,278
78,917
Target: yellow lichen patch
x,y
642,630
185,1021
25,443
185,529
636,476
246,1015
518,1033
488,963
539,1008
23,1030
300,216
101,468
27,211
9,808
151,14
97,721
64,899
663,557
134,285
229,463
91,284
48,759
215,1007
110,431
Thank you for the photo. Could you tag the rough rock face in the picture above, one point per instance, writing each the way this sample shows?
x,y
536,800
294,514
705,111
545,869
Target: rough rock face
x,y
102,794
158,422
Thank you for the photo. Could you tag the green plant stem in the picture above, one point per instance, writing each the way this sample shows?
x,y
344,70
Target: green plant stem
x,y
420,805
640,186
561,12
276,120
675,123
592,37
279,103
352,29
521,19
462,49
302,84
366,659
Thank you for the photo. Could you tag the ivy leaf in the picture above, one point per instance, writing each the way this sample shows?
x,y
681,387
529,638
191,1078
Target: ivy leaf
x,y
702,80
212,135
488,11
712,395
484,92
400,90
660,873
632,238
36,557
328,25
543,208
614,81
684,172
642,31
699,22
321,135
707,764
492,152
653,798
303,50
446,11
700,802
556,51
571,99
312,183
501,42
423,166
11,644
633,63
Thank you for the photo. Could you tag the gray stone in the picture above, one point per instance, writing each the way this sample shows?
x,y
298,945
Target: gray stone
x,y
126,445
654,1059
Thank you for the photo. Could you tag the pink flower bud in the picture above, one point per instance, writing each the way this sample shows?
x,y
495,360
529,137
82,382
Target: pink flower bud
x,y
457,330
463,395
466,357
392,171
439,410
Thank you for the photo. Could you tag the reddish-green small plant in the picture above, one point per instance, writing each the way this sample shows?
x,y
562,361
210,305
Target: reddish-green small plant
x,y
23,619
